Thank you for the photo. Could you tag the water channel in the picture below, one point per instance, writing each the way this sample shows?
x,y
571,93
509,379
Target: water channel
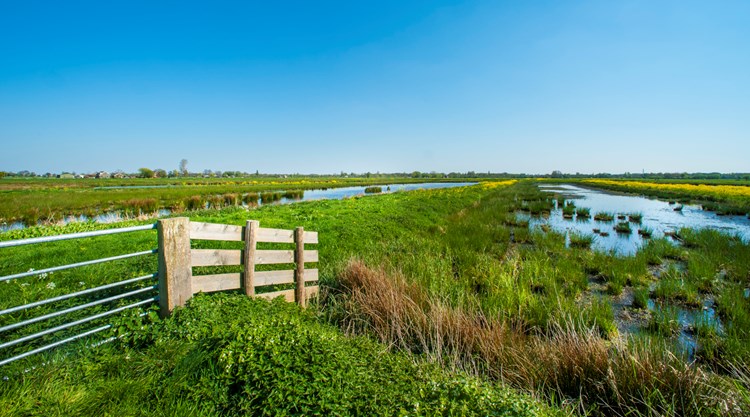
x,y
309,195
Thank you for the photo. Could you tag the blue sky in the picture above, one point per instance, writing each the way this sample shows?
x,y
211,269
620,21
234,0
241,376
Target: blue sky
x,y
330,86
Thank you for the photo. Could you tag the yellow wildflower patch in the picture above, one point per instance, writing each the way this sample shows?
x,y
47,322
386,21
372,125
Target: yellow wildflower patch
x,y
696,189
495,184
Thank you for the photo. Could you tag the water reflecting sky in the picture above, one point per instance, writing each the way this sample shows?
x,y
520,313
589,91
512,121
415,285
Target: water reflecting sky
x,y
658,215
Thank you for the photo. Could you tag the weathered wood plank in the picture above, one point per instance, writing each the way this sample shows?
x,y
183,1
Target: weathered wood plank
x,y
275,235
268,257
216,257
223,257
311,237
312,291
216,282
213,231
299,260
251,235
311,256
174,255
287,294
311,275
274,277
282,277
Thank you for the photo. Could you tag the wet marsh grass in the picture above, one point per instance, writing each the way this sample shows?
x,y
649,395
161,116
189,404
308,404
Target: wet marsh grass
x,y
713,195
579,240
49,200
623,228
645,231
635,218
604,216
456,278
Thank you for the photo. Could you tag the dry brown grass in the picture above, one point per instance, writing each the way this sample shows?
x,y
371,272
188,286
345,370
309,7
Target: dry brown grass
x,y
565,364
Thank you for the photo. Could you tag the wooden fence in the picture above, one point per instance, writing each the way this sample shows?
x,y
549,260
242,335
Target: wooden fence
x,y
177,284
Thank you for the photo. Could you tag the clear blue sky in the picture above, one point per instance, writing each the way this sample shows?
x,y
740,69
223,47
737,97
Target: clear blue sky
x,y
329,86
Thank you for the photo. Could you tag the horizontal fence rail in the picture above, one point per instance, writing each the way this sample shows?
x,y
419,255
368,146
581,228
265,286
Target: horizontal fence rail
x,y
176,282
78,294
78,318
43,239
76,265
178,259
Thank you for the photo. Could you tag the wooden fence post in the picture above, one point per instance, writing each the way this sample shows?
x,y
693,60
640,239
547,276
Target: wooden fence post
x,y
251,238
299,260
175,270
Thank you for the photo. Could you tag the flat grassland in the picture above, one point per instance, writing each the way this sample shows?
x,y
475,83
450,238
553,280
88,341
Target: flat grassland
x,y
31,200
434,302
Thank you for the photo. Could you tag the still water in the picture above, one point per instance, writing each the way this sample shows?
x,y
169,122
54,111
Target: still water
x,y
659,216
309,195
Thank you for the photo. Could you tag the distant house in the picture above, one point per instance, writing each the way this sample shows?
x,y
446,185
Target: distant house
x,y
66,176
103,174
118,174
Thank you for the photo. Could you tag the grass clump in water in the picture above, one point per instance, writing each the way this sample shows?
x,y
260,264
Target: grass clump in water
x,y
583,213
604,216
623,228
579,240
635,218
373,190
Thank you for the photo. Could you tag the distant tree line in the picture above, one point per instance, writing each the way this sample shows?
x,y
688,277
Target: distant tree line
x,y
207,173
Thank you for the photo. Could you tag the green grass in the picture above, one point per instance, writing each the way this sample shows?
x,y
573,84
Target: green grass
x,y
50,200
373,190
583,213
436,279
635,217
578,240
604,216
640,298
230,355
623,227
664,321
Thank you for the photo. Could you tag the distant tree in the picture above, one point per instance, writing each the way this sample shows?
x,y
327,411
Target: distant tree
x,y
145,173
160,173
556,174
207,173
183,167
3,174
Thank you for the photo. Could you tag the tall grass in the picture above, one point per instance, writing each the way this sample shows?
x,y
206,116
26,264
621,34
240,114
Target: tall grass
x,y
569,361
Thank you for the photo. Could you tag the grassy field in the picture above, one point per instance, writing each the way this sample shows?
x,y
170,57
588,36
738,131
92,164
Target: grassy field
x,y
445,298
31,200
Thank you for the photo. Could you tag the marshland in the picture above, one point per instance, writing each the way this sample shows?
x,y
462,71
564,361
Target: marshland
x,y
488,293
391,208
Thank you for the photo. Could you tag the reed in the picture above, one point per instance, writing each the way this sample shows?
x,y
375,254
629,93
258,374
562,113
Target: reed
x,y
623,228
604,216
578,240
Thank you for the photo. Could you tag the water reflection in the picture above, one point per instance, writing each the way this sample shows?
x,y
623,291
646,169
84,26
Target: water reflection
x,y
658,216
309,195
